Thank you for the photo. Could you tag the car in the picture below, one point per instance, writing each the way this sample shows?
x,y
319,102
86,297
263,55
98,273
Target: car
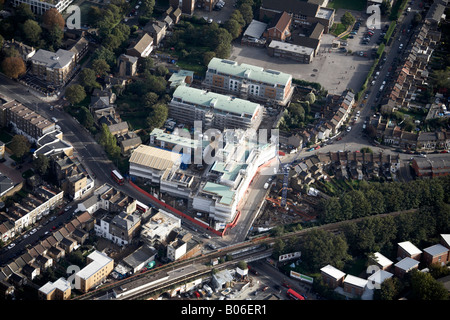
x,y
33,231
409,9
312,149
350,36
366,96
349,129
355,119
353,32
318,147
26,235
46,233
444,151
210,20
12,245
339,139
358,112
423,155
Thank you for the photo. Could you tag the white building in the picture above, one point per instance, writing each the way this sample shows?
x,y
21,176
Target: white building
x,y
151,163
39,6
159,227
176,249
236,165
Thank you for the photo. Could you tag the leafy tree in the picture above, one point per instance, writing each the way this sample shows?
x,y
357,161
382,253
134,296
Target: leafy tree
x,y
100,67
347,19
52,18
41,164
23,13
31,31
88,79
390,289
247,13
237,15
148,6
321,248
105,54
54,37
86,118
19,145
75,94
109,142
13,67
161,71
207,56
385,8
425,287
233,27
150,99
158,116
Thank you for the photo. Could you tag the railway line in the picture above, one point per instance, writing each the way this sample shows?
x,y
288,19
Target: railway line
x,y
240,251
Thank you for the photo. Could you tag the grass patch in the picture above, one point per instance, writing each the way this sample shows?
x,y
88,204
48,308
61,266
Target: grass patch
x,y
357,5
337,29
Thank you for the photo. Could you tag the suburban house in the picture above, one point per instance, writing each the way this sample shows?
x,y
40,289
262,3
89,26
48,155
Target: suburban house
x,y
404,266
436,254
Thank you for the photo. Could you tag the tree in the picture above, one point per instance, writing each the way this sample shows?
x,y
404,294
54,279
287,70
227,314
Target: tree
x,y
158,116
425,287
54,36
88,79
109,142
52,18
23,13
233,27
148,6
321,248
75,94
19,145
390,289
311,98
31,31
161,71
247,13
13,67
86,118
41,164
347,19
207,56
385,8
150,99
100,67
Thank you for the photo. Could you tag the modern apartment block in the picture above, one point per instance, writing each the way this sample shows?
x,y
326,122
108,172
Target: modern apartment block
x,y
53,67
99,266
229,177
248,81
58,290
40,6
213,110
24,120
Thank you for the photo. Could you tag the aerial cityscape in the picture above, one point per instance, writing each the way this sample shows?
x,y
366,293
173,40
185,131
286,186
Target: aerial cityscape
x,y
226,151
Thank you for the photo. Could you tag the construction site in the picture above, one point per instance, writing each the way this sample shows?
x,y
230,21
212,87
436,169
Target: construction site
x,y
285,204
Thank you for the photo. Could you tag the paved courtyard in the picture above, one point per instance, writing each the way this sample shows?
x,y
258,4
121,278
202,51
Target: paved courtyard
x,y
335,71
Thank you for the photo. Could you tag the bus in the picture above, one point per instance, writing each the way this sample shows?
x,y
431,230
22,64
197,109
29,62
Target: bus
x,y
294,295
117,177
142,207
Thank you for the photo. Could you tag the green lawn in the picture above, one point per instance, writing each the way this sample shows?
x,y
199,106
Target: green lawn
x,y
357,5
337,29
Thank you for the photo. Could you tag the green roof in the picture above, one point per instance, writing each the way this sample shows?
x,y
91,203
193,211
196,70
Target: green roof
x,y
175,139
220,102
224,192
249,71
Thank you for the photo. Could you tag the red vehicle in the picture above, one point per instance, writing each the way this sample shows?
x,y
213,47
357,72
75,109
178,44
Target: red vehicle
x,y
197,294
117,177
294,295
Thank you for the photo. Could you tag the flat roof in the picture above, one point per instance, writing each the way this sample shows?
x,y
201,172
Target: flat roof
x,y
289,47
407,263
160,135
214,100
226,194
249,71
155,158
436,249
100,260
359,282
382,260
333,272
409,247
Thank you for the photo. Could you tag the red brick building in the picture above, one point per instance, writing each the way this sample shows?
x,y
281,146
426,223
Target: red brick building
x,y
332,277
435,254
407,249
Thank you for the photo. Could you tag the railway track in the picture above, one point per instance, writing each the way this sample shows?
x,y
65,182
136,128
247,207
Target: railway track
x,y
264,240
